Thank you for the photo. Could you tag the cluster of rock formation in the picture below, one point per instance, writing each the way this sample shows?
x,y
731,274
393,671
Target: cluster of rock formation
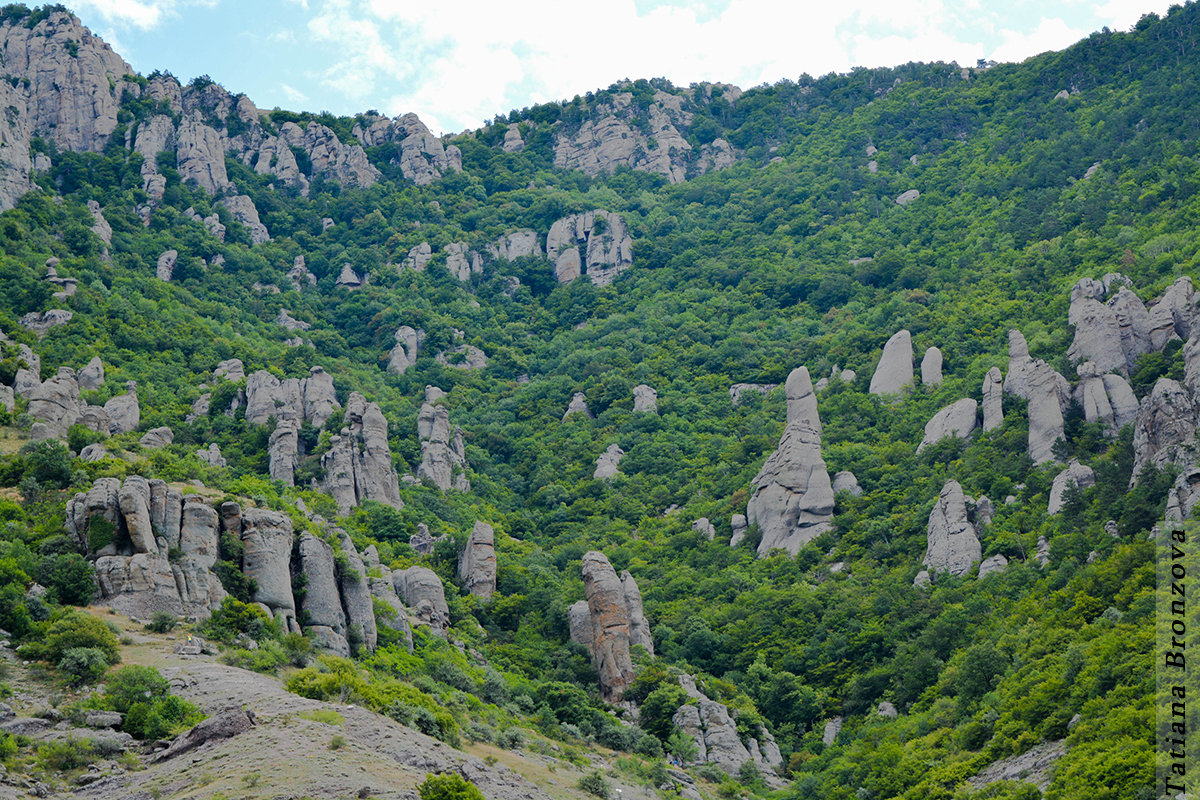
x,y
358,465
894,372
443,456
792,498
615,134
714,730
71,88
609,622
953,544
55,404
595,243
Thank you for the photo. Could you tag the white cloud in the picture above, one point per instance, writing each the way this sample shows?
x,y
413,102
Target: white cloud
x,y
143,14
1050,34
293,94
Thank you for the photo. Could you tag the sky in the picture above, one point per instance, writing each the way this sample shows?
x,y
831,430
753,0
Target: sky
x,y
458,63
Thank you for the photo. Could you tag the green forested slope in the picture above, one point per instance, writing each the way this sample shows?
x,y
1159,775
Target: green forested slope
x,y
739,275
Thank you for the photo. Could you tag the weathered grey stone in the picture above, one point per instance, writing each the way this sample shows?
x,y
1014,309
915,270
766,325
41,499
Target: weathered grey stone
x,y
1097,331
639,627
267,552
423,592
124,411
895,369
931,367
244,211
610,625
348,277
952,544
1165,429
356,596
1075,475
477,562
887,710
514,245
134,501
443,459
608,463
55,403
404,354
702,525
1045,411
578,405
1174,314
322,601
200,154
345,163
198,532
955,420
992,564
393,615
845,481
40,322
738,391
422,157
832,728
1134,324
157,438
579,621
91,377
284,451
687,719
738,525
645,400
93,452
418,257
791,497
904,198
211,455
1183,495
595,243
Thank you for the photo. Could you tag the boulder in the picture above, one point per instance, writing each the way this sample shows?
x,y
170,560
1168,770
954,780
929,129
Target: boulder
x,y
645,400
610,625
992,564
904,198
702,525
952,545
791,496
931,367
1105,398
738,525
91,377
1097,332
1045,411
211,455
93,452
423,592
418,257
40,322
224,724
477,563
1133,321
578,405
1174,314
1075,475
55,403
124,412
443,456
956,420
1183,495
198,532
639,627
348,277
157,438
608,463
832,728
244,211
516,244
895,369
845,481
738,391
579,622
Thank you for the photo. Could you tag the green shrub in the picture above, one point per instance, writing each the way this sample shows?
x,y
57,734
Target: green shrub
x,y
74,629
448,786
162,622
68,577
101,533
65,755
594,783
235,617
135,684
83,665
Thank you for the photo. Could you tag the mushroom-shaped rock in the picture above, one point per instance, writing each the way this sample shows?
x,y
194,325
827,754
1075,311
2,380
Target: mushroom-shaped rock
x,y
952,545
931,367
645,400
608,463
610,625
578,405
477,563
956,420
1076,475
895,369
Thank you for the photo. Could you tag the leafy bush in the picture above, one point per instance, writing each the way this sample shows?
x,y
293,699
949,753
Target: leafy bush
x,y
74,629
66,754
594,783
142,694
162,622
448,786
235,617
68,577
83,665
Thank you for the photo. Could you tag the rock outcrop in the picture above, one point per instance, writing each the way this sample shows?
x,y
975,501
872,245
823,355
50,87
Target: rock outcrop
x,y
578,405
639,627
128,530
404,354
1165,429
645,399
608,463
791,497
55,404
420,155
714,730
91,377
1076,475
845,481
956,419
894,372
424,594
124,411
993,399
312,399
1105,398
610,625
243,210
514,245
595,243
477,562
1047,393
157,438
738,391
356,596
443,456
266,558
952,544
931,367
358,465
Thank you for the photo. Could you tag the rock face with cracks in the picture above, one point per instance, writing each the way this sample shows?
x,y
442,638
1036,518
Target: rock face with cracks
x,y
477,563
952,545
610,625
791,497
894,372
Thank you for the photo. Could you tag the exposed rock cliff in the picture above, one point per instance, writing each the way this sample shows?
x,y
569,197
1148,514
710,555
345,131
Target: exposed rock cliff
x,y
477,562
443,457
610,625
595,243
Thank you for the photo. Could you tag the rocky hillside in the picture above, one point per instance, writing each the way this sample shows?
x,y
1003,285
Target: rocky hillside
x,y
811,439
